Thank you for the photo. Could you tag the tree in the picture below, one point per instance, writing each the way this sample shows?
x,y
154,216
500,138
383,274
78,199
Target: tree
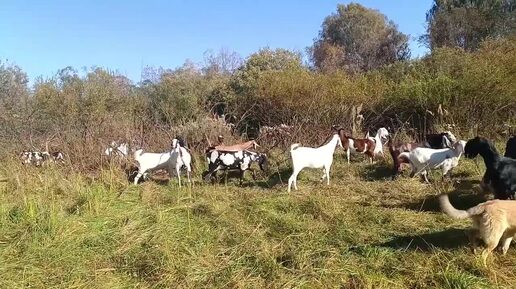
x,y
225,62
262,61
466,23
14,94
358,39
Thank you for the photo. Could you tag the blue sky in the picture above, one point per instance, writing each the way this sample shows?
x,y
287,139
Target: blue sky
x,y
44,36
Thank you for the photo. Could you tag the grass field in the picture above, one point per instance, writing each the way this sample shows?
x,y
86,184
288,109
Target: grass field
x,y
62,229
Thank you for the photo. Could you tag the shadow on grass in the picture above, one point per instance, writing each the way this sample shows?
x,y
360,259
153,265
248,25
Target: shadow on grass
x,y
278,177
232,177
375,172
448,239
463,196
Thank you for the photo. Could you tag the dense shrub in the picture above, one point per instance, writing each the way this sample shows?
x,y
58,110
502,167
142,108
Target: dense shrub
x,y
450,88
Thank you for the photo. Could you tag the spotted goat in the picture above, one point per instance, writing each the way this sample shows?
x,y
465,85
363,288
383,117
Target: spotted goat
x,y
233,160
39,158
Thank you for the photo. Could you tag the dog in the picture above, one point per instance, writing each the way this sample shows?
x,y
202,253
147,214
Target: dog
x,y
492,221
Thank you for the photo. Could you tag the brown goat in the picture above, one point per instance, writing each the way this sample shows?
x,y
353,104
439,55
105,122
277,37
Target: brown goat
x,y
360,145
395,150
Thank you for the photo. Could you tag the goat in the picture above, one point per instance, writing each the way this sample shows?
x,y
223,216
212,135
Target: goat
x,y
239,160
423,159
237,147
439,140
350,144
378,139
39,158
435,141
510,148
114,149
57,157
172,160
307,157
500,175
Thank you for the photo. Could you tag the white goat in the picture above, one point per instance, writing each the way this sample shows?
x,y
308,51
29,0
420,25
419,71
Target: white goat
x,y
117,150
175,159
423,159
306,157
381,134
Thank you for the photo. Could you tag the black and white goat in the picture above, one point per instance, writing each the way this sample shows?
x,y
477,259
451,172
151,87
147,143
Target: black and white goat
x,y
171,161
233,160
500,175
39,158
439,140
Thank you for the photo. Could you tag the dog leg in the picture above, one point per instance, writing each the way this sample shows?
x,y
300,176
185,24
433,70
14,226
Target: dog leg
x,y
506,243
473,236
491,239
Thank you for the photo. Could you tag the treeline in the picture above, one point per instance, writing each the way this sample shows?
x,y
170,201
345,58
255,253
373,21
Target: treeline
x,y
360,79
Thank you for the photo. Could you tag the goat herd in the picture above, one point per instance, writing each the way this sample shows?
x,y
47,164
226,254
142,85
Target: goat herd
x,y
494,220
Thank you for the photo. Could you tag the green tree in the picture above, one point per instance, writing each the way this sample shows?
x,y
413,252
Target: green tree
x,y
13,98
262,61
466,23
358,39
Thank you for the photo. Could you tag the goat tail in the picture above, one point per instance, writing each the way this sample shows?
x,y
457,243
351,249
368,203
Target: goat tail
x,y
448,209
294,146
138,153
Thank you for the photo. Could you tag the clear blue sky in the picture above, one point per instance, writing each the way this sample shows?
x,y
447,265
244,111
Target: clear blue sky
x,y
44,36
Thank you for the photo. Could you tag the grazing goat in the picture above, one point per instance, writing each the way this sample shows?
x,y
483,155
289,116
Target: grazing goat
x,y
424,159
510,148
57,157
114,149
435,141
233,160
307,157
500,175
172,160
39,158
365,146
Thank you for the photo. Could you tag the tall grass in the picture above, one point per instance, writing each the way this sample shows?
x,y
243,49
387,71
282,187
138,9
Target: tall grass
x,y
64,230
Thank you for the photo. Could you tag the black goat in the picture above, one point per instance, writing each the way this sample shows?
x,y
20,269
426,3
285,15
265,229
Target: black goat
x,y
500,175
510,148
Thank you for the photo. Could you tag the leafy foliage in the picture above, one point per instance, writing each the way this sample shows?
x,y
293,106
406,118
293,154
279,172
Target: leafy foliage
x,y
466,23
358,39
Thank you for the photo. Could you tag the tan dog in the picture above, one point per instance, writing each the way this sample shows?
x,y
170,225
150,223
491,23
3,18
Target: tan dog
x,y
492,221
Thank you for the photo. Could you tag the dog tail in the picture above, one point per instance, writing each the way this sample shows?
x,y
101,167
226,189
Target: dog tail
x,y
449,210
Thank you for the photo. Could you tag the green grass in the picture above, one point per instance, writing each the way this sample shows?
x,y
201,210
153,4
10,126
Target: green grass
x,y
63,229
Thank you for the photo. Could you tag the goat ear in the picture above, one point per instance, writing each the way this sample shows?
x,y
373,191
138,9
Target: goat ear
x,y
447,142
